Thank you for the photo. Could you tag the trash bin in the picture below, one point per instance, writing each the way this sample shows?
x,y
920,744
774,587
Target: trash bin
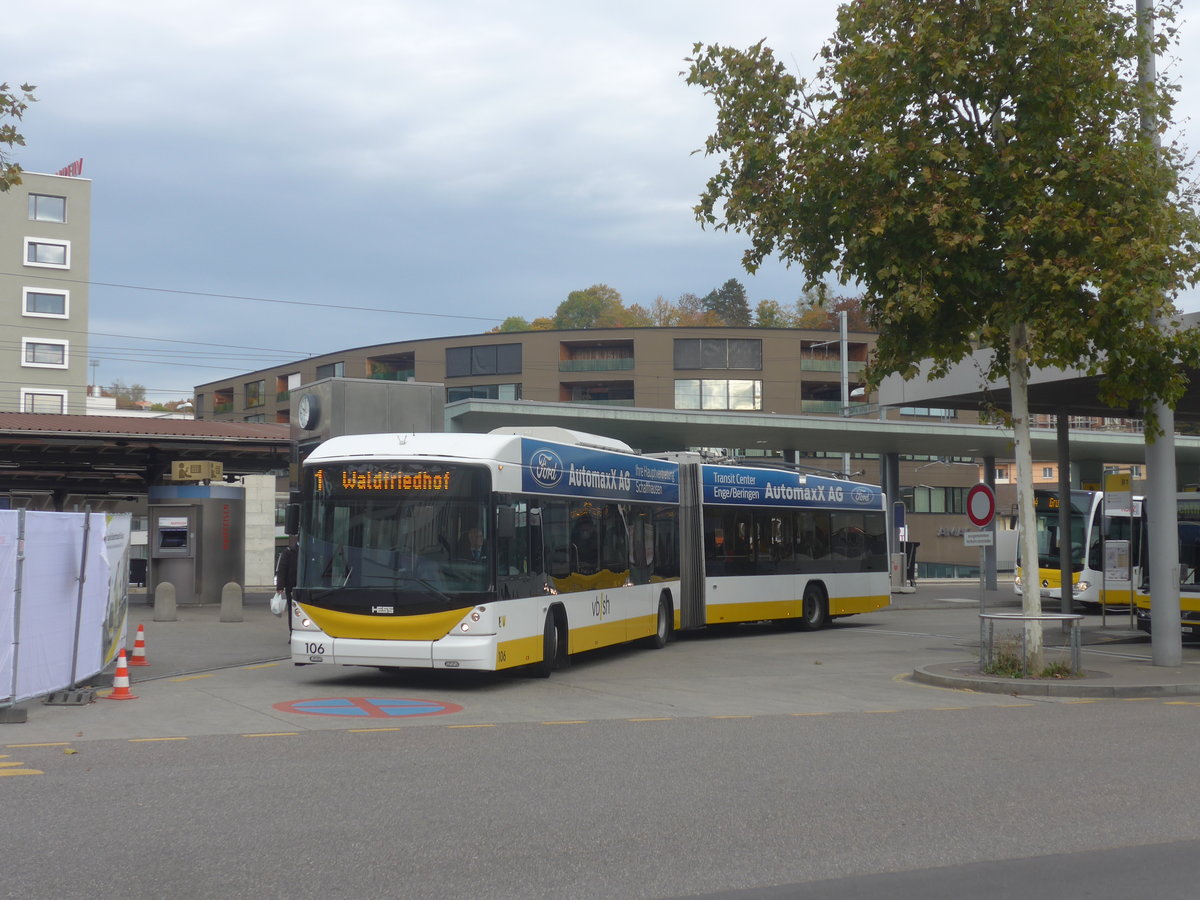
x,y
910,554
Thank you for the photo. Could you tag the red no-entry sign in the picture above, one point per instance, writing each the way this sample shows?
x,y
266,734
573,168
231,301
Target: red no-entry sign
x,y
981,505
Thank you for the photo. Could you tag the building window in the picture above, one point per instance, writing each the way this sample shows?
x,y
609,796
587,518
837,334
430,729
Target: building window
x,y
928,412
489,359
926,499
483,392
331,370
44,353
711,393
256,393
718,353
260,417
43,401
1047,472
47,208
51,304
51,254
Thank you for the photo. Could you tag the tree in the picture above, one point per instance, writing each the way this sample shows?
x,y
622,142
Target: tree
x,y
126,394
728,303
12,106
596,307
770,314
513,323
981,171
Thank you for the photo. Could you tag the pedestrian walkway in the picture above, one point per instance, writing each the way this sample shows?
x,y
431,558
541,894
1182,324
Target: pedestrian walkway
x,y
1117,658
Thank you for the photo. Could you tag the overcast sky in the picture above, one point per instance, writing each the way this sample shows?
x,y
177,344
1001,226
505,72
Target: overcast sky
x,y
447,163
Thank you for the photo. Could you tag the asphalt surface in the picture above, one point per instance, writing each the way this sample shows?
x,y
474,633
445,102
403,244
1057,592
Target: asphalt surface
x,y
706,676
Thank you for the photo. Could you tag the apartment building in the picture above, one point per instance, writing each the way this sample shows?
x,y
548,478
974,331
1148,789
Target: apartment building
x,y
45,238
781,370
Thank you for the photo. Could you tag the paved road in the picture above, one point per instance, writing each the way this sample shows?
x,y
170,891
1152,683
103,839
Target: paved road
x,y
764,759
657,807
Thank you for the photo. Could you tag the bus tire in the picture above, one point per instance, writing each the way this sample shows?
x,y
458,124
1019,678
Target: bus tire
x,y
814,608
662,624
550,648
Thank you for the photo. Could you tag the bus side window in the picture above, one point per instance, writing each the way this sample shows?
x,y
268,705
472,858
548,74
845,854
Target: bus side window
x,y
614,540
556,538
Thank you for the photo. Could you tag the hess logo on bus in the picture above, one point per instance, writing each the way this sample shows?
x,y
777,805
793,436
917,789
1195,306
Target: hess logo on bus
x,y
546,468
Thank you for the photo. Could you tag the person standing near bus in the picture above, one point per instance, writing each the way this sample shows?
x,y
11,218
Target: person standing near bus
x,y
285,576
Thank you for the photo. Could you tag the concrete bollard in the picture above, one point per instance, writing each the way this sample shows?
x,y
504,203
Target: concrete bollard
x,y
164,602
231,602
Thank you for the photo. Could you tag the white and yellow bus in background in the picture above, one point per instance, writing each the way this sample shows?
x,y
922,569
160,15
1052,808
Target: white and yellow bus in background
x,y
497,551
1091,528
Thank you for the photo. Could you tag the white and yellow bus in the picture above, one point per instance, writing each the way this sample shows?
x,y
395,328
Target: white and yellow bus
x,y
1091,527
497,551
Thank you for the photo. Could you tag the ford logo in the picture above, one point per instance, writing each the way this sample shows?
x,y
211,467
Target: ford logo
x,y
861,496
546,468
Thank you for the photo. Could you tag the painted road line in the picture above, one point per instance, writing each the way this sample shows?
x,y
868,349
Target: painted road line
x,y
16,768
487,725
273,734
657,719
153,740
193,677
570,722
263,665
52,744
370,730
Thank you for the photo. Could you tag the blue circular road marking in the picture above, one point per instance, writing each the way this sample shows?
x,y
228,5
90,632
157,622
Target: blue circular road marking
x,y
368,707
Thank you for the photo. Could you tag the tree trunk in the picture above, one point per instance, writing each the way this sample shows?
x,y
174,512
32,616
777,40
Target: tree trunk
x,y
1031,586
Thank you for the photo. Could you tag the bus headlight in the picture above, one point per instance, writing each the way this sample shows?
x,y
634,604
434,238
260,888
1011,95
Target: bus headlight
x,y
1081,586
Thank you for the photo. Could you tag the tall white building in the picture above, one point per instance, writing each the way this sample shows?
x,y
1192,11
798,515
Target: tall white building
x,y
45,240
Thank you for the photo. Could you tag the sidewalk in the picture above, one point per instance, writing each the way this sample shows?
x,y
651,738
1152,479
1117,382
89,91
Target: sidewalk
x,y
199,641
1117,657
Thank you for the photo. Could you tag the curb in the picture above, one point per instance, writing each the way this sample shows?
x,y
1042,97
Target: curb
x,y
1088,686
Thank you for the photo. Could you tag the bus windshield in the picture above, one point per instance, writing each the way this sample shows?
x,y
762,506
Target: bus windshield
x,y
413,534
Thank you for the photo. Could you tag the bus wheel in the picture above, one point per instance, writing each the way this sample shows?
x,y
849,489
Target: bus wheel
x,y
814,609
662,627
549,649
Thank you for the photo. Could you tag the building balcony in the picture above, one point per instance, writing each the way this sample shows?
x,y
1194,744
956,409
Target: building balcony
x,y
809,364
398,375
628,401
595,365
832,407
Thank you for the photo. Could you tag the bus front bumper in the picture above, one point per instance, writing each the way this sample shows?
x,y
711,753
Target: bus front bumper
x,y
450,652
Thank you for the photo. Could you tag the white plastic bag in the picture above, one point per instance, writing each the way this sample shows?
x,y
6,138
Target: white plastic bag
x,y
278,603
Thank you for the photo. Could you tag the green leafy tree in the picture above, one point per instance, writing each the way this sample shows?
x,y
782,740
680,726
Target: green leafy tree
x,y
513,323
981,170
596,307
770,314
728,303
12,107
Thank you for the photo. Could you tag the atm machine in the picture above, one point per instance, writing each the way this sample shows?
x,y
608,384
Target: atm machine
x,y
197,539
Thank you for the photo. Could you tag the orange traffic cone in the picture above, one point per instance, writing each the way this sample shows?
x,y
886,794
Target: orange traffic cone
x,y
139,648
121,680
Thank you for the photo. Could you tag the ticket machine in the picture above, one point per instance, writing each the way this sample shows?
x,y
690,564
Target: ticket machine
x,y
197,539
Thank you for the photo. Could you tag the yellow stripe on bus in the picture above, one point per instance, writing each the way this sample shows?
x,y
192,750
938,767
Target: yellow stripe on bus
x,y
790,609
429,627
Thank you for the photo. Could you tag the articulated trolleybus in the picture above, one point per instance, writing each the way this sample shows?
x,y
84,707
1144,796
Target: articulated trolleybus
x,y
496,551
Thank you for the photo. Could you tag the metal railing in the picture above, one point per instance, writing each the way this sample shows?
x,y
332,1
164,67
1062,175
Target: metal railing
x,y
987,637
595,365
